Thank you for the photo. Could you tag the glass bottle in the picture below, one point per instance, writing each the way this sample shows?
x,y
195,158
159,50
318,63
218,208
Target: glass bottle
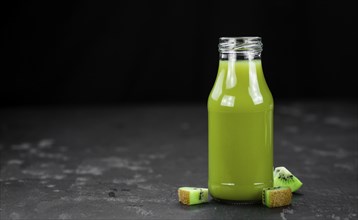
x,y
240,122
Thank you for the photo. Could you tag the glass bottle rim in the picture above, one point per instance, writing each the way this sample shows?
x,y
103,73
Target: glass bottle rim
x,y
241,38
241,45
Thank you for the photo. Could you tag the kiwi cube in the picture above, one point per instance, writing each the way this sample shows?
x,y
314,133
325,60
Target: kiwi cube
x,y
193,195
276,196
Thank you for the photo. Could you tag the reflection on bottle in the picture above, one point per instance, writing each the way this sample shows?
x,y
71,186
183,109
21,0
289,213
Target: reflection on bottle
x,y
217,90
259,184
228,184
254,89
231,74
228,101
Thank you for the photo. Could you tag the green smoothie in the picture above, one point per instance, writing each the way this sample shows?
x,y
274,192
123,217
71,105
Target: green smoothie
x,y
240,108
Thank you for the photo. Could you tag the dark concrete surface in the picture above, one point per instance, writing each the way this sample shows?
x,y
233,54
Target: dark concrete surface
x,y
127,162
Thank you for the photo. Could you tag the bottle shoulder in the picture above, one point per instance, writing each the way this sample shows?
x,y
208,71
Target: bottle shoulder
x,y
229,102
240,86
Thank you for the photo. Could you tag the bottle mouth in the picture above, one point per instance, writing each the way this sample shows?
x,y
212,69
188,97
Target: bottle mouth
x,y
240,45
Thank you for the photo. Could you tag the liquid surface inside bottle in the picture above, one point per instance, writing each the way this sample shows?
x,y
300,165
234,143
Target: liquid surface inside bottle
x,y
240,111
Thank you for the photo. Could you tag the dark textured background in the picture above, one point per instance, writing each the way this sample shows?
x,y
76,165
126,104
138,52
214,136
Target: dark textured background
x,y
103,112
145,51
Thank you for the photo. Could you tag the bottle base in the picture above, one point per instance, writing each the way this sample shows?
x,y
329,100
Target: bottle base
x,y
236,202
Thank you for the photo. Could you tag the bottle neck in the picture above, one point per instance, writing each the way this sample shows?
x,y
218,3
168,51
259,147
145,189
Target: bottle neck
x,y
239,56
240,48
